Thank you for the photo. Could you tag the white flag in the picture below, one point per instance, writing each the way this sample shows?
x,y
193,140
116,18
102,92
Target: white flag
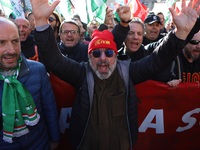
x,y
167,14
6,7
17,8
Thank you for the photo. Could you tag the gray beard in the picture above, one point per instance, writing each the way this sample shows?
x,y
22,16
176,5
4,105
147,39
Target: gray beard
x,y
103,76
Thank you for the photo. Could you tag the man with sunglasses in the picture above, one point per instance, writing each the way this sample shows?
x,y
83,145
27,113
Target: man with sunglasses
x,y
104,114
187,66
190,58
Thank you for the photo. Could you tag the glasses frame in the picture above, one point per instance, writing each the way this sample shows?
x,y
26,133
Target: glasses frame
x,y
97,53
66,32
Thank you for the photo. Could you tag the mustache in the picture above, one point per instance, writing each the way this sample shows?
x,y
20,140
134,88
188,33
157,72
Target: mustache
x,y
100,62
197,50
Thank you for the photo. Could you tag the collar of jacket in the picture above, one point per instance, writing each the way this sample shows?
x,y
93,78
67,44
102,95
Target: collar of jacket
x,y
24,70
67,50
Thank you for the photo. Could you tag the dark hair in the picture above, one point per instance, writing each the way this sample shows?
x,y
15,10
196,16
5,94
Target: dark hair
x,y
138,21
58,19
160,13
28,15
77,16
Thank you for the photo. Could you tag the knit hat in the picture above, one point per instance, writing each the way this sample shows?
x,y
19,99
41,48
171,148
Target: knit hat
x,y
102,39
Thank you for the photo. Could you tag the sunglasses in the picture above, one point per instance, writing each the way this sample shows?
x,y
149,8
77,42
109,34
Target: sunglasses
x,y
97,53
51,19
194,42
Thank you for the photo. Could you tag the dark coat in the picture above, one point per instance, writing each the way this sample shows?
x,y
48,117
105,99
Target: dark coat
x,y
77,53
148,41
28,46
81,77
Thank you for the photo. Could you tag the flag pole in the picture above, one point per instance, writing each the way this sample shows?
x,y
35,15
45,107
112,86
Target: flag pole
x,y
88,17
129,2
24,4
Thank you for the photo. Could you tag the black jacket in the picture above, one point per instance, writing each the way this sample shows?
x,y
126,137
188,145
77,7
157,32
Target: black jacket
x,y
77,53
80,76
148,41
134,56
28,46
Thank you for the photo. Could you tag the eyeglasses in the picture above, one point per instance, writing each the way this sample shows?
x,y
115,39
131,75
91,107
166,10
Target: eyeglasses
x,y
66,32
194,42
51,19
97,53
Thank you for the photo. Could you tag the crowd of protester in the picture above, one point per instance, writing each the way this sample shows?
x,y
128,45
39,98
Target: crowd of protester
x,y
91,57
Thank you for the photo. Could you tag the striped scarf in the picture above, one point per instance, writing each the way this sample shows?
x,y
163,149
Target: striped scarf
x,y
18,107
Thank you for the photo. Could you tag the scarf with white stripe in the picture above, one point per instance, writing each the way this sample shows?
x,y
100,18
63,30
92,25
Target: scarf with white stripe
x,y
18,107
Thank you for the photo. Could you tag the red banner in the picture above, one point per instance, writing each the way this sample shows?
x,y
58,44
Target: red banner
x,y
169,117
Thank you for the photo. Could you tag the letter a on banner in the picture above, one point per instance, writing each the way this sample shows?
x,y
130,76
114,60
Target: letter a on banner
x,y
158,125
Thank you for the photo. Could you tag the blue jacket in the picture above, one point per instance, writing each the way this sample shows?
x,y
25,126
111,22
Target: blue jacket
x,y
34,77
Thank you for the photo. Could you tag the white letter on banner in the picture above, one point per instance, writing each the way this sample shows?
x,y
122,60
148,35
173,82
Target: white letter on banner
x,y
147,123
188,119
65,115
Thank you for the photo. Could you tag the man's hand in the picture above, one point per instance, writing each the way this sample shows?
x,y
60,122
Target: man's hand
x,y
174,83
186,19
42,10
124,13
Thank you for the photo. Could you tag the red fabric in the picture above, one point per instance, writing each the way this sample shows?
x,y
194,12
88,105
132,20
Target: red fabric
x,y
167,105
138,9
64,95
64,92
125,2
175,103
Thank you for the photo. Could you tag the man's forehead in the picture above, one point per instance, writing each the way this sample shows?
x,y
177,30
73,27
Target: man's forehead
x,y
22,22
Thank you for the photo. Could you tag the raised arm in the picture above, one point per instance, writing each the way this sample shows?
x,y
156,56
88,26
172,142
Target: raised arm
x,y
168,49
185,20
42,10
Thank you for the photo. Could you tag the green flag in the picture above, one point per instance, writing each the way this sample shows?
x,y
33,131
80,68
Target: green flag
x,y
98,8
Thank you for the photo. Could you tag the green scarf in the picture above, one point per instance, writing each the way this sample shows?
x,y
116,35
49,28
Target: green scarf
x,y
18,107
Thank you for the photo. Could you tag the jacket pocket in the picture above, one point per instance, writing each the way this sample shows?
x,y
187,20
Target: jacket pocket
x,y
118,105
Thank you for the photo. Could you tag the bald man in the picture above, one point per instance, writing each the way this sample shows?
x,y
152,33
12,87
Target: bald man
x,y
28,46
28,110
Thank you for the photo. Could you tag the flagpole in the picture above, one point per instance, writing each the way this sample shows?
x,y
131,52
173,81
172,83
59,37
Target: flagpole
x,y
88,17
129,2
23,2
